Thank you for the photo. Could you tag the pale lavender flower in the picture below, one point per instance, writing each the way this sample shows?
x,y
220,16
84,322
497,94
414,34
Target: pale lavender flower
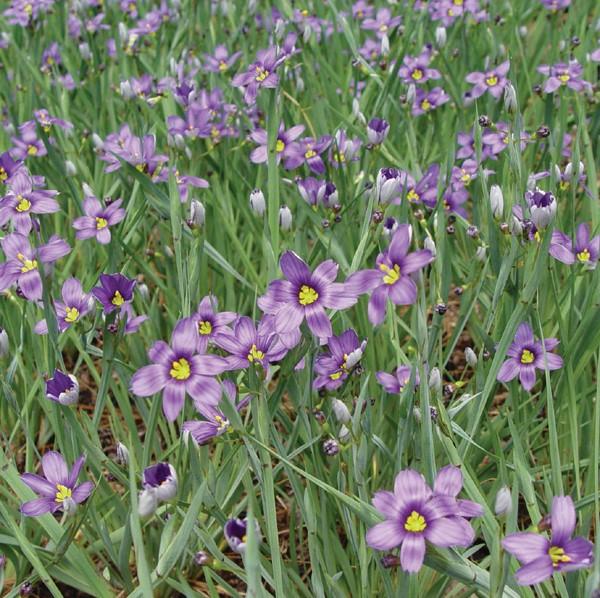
x,y
564,75
396,382
98,219
494,81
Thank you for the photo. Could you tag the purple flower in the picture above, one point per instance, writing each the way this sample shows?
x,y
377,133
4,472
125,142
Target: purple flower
x,y
307,151
27,144
343,149
210,322
114,291
284,146
497,138
9,167
220,61
383,23
493,81
396,382
334,366
425,190
46,121
416,70
542,558
21,265
176,369
74,305
236,531
449,482
62,388
561,75
259,74
555,5
586,249
315,192
377,130
392,278
414,514
426,101
305,294
57,488
23,200
160,478
215,422
526,354
542,207
98,220
249,345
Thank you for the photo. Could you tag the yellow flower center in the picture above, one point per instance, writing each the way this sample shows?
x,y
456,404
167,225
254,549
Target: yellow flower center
x,y
564,78
3,174
383,28
255,354
492,80
426,105
180,369
261,74
72,314
310,153
563,185
465,177
32,150
223,423
117,299
417,74
307,295
222,66
28,9
412,195
415,523
204,327
279,146
527,356
336,375
101,223
458,2
23,205
304,12
584,256
558,555
339,157
391,275
28,265
62,493
140,167
537,236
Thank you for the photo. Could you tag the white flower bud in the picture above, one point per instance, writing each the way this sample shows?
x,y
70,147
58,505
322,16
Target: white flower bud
x,y
341,412
279,29
285,218
503,503
557,172
497,201
344,434
257,202
480,254
97,141
471,357
516,228
440,37
523,32
70,168
122,454
4,344
70,396
126,90
87,190
435,379
510,98
84,50
147,502
197,213
385,45
429,244
123,33
411,93
142,289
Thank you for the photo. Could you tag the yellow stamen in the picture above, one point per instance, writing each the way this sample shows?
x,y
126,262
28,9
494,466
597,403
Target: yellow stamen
x,y
391,274
204,327
339,157
337,375
23,205
527,356
584,256
117,299
558,555
465,177
310,154
458,2
62,493
563,78
279,146
412,195
383,28
28,265
223,423
32,150
417,74
307,295
222,66
180,369
72,314
261,74
255,354
563,185
101,223
3,174
415,523
426,105
492,80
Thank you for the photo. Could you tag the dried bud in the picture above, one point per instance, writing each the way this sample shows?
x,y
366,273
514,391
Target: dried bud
x,y
484,121
441,308
510,98
480,254
122,454
197,213
201,558
344,434
473,231
430,245
543,132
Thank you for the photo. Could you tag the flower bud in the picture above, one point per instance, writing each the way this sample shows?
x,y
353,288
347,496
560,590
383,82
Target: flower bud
x,y
480,254
84,51
385,45
257,202
147,502
435,379
344,434
4,344
429,244
161,479
285,218
496,201
510,98
340,411
197,213
440,37
122,454
236,532
97,141
471,357
503,503
70,168
331,447
62,388
411,94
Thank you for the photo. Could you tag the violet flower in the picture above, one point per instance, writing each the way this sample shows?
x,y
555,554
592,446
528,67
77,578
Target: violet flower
x,y
392,278
425,191
416,514
343,149
114,291
315,192
284,146
494,81
525,355
21,265
259,74
334,366
377,130
159,483
98,220
555,5
305,294
395,383
383,23
542,207
9,167
564,75
542,558
426,101
177,370
586,248
27,144
210,322
220,61
308,151
62,388
57,488
236,531
415,69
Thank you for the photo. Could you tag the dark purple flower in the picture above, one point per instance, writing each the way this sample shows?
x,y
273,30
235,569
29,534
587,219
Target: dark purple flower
x,y
259,74
542,558
74,305
564,75
493,80
9,167
161,479
210,322
396,382
305,294
284,146
98,219
377,130
426,190
114,291
315,192
334,366
57,488
415,514
392,278
62,388
426,101
526,354
21,265
235,531
542,207
176,369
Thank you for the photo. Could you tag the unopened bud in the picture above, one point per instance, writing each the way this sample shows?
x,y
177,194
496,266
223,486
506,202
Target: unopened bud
x,y
147,502
257,202
496,201
430,245
285,218
344,434
70,168
340,411
471,357
122,454
503,503
510,98
480,254
440,37
435,379
197,213
4,345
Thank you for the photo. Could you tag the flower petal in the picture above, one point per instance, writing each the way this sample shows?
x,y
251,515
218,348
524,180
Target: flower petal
x,y
449,481
149,380
410,485
294,268
55,468
172,400
385,535
39,484
535,571
526,546
412,553
449,531
318,322
39,506
563,519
